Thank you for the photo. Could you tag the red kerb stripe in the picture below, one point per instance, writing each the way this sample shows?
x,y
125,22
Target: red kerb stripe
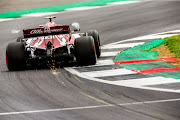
x,y
147,60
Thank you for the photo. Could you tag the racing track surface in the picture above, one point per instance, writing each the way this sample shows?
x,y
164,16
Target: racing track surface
x,y
41,90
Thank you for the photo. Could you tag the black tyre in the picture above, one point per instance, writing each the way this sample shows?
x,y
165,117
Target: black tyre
x,y
95,35
19,39
15,56
85,51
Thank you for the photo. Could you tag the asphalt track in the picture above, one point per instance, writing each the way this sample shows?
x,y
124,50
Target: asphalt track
x,y
45,96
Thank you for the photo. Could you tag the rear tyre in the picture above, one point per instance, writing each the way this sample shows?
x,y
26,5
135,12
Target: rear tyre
x,y
95,35
15,56
85,51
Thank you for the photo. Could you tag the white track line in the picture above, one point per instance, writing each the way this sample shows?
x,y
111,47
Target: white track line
x,y
123,2
121,45
109,54
106,73
82,8
170,32
2,20
40,14
103,62
153,37
147,37
88,107
146,81
99,63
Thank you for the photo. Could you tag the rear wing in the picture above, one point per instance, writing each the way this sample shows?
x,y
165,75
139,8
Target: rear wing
x,y
35,32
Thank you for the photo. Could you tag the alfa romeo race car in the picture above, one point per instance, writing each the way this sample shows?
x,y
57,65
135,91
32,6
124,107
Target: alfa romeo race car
x,y
53,44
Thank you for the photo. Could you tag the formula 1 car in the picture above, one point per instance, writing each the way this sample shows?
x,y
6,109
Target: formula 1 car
x,y
52,43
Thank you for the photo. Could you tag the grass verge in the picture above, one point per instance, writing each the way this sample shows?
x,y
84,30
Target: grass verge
x,y
169,49
173,44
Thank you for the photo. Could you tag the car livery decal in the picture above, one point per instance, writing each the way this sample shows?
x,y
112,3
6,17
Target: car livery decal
x,y
56,40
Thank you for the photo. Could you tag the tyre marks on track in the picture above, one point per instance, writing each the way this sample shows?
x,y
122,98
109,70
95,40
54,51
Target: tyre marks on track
x,y
108,72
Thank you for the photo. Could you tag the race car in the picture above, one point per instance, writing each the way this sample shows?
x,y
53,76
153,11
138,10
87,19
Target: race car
x,y
53,44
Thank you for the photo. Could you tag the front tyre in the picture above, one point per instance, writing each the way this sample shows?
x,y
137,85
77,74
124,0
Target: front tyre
x,y
85,51
15,56
95,35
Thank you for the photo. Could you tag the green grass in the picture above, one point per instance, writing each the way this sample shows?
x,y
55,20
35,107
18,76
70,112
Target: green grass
x,y
173,43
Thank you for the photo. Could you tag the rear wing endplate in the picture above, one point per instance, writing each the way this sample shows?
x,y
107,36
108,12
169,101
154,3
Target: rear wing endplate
x,y
35,32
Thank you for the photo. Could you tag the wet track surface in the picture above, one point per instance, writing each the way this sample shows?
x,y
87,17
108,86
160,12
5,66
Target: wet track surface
x,y
63,96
